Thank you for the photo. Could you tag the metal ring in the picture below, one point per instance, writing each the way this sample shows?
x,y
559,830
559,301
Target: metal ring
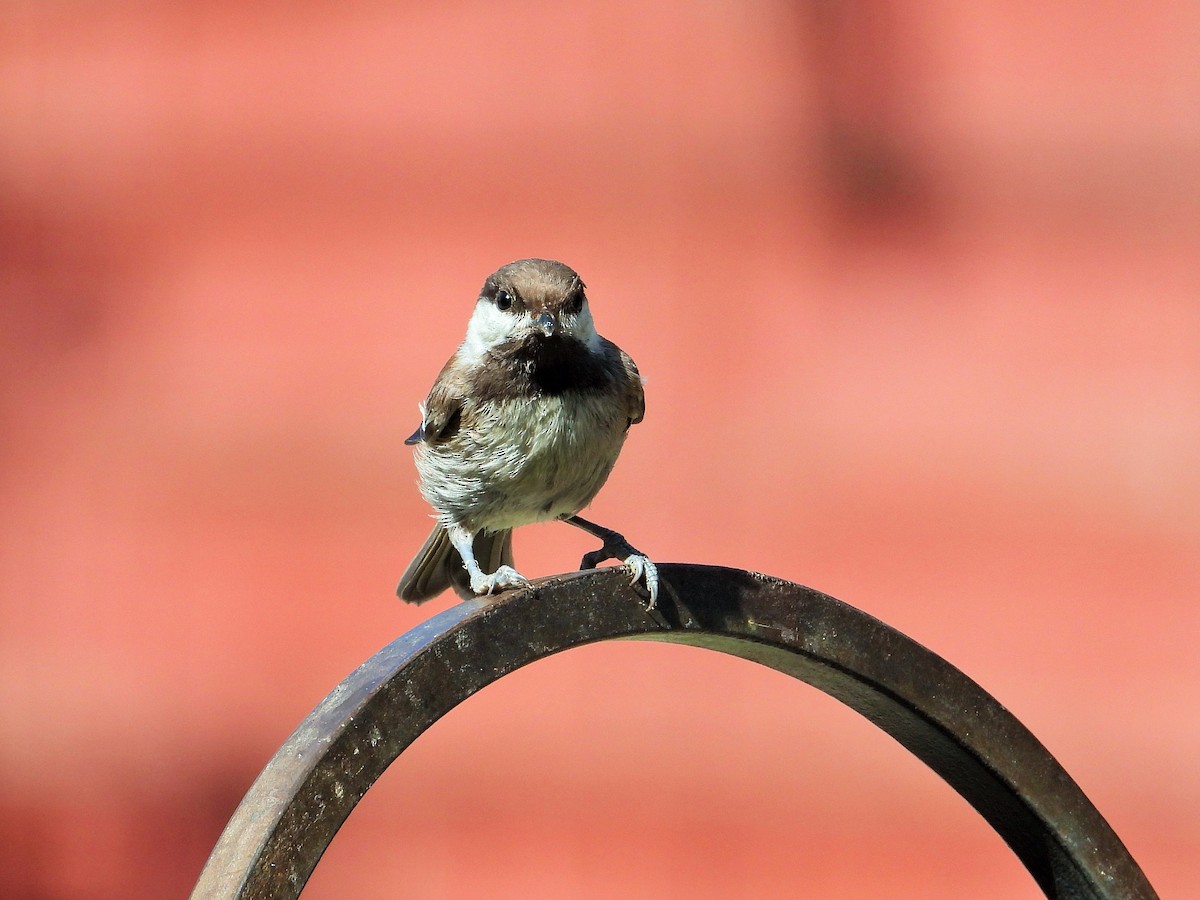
x,y
294,809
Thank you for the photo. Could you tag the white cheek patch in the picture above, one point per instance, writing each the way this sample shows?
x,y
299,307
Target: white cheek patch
x,y
488,328
583,328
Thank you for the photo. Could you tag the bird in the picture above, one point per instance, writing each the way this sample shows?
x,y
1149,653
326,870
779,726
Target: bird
x,y
523,424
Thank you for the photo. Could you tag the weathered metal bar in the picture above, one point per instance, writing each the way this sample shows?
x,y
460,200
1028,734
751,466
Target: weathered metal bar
x,y
305,793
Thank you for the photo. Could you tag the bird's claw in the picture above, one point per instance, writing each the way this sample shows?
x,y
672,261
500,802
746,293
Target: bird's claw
x,y
503,577
643,569
640,567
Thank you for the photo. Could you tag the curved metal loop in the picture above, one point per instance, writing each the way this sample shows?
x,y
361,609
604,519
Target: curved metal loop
x,y
294,809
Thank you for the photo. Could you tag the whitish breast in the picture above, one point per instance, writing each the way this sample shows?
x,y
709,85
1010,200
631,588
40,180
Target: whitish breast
x,y
525,460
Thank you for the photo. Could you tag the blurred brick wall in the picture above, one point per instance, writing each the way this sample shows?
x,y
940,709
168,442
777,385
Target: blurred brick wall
x,y
915,288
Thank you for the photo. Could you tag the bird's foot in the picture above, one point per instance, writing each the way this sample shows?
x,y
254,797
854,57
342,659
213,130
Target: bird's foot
x,y
503,577
639,565
642,569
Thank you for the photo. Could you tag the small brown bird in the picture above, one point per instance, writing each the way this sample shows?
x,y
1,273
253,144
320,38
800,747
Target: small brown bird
x,y
523,425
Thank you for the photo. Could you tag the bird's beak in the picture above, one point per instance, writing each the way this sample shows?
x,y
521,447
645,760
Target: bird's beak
x,y
547,323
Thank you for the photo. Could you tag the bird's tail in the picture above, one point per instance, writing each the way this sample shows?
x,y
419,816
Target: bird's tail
x,y
438,566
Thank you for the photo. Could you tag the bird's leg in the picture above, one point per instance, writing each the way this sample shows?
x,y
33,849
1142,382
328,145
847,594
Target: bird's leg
x,y
504,577
616,547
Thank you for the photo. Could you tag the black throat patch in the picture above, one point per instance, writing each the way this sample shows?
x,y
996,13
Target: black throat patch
x,y
541,366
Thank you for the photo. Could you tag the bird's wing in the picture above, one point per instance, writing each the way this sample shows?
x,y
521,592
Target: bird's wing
x,y
442,409
635,396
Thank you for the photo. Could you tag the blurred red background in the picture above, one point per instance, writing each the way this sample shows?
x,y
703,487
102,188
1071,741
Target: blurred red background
x,y
915,289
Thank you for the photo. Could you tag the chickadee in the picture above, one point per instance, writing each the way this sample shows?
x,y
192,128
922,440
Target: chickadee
x,y
523,425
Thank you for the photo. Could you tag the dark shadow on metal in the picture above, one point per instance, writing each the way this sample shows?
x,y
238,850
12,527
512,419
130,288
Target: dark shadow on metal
x,y
301,799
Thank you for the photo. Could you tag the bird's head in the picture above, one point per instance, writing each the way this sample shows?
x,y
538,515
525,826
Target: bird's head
x,y
530,301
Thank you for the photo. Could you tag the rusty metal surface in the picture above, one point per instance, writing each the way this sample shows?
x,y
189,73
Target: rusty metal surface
x,y
294,809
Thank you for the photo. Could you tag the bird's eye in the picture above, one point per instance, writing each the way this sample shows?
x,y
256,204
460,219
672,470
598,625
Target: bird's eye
x,y
574,303
504,300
